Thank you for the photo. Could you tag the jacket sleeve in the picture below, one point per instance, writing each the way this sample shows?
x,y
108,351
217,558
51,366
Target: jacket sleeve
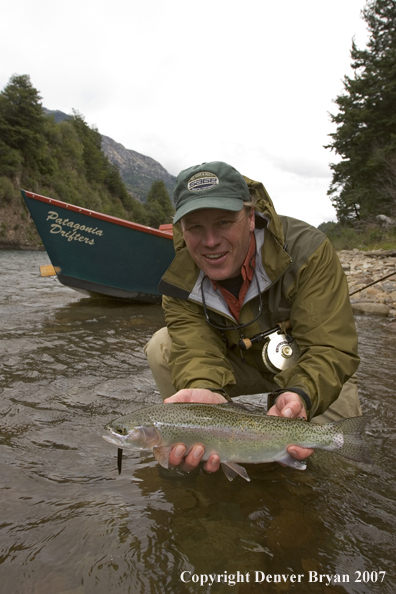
x,y
198,355
323,325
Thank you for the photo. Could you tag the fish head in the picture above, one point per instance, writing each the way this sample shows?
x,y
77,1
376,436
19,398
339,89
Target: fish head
x,y
136,438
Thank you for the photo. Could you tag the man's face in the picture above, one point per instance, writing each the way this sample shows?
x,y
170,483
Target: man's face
x,y
218,240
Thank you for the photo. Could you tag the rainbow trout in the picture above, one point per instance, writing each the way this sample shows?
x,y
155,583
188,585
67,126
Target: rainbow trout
x,y
235,434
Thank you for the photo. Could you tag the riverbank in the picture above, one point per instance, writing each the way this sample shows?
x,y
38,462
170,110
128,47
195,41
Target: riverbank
x,y
362,268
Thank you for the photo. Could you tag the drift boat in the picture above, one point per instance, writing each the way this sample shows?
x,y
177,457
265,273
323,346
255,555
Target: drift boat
x,y
99,254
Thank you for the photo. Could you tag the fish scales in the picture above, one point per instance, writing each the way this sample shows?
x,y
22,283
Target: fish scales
x,y
235,434
228,428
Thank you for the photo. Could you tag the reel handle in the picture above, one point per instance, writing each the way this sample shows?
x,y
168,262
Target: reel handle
x,y
246,343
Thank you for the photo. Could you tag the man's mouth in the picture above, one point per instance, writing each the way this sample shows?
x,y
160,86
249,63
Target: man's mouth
x,y
215,256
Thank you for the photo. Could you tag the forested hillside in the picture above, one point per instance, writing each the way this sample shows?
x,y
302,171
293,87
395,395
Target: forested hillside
x,y
63,160
138,171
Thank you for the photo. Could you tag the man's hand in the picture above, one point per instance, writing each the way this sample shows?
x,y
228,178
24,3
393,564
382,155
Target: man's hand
x,y
289,405
177,456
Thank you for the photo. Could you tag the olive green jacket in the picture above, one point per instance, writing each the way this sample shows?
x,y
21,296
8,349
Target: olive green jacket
x,y
300,280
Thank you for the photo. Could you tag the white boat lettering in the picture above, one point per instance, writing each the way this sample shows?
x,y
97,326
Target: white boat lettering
x,y
68,229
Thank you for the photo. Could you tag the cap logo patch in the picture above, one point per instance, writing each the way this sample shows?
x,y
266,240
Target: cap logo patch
x,y
202,181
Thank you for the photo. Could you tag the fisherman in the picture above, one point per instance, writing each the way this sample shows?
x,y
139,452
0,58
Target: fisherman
x,y
240,269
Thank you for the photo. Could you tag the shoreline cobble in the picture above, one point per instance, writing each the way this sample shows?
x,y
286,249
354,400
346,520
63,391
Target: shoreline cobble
x,y
362,268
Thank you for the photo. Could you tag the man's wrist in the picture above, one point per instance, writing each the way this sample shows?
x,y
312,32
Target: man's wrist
x,y
222,392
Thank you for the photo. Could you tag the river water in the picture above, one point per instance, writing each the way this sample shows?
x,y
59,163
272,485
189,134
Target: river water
x,y
70,525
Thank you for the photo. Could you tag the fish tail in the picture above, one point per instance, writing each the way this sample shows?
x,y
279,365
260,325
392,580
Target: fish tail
x,y
352,444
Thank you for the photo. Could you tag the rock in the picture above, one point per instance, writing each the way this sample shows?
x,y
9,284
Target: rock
x,y
380,298
371,308
379,295
385,221
389,287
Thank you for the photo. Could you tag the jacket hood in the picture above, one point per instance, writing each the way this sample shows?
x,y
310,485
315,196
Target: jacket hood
x,y
266,207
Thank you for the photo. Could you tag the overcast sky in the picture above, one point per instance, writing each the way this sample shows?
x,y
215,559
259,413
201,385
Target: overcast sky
x,y
247,82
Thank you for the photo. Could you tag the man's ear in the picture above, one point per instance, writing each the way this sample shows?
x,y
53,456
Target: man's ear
x,y
252,220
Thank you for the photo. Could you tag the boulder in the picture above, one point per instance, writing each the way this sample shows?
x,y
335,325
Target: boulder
x,y
385,221
370,308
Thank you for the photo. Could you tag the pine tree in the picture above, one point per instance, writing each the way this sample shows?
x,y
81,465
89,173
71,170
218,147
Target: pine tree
x,y
159,205
364,181
22,125
94,159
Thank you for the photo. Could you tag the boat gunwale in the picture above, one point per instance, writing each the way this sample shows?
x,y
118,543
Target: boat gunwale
x,y
98,215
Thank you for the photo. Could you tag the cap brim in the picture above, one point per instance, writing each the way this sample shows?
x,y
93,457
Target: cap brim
x,y
233,204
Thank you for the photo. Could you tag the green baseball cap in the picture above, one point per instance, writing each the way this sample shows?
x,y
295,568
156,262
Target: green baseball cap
x,y
209,185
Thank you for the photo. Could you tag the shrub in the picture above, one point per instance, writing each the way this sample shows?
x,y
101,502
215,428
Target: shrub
x,y
6,190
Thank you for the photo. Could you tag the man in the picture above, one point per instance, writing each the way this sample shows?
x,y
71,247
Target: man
x,y
239,270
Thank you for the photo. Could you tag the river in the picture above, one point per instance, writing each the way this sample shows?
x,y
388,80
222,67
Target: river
x,y
70,525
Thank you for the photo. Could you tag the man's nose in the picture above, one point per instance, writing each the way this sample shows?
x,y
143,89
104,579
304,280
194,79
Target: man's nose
x,y
211,237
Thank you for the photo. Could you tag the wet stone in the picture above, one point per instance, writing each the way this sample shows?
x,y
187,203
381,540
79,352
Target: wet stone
x,y
369,308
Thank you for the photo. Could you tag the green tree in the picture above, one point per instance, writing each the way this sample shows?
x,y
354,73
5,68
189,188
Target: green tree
x,y
94,158
22,122
159,206
134,208
363,182
10,160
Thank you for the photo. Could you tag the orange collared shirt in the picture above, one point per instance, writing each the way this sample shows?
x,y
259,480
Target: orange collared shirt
x,y
247,271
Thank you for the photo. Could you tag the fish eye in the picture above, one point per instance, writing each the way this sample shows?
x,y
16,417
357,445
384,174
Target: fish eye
x,y
121,430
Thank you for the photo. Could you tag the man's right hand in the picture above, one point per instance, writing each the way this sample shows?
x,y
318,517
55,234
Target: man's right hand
x,y
178,453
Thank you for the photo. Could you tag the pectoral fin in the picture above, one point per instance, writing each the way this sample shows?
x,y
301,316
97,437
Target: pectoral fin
x,y
288,460
161,454
232,469
151,436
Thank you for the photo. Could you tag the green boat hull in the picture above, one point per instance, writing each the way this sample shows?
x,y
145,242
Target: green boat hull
x,y
100,254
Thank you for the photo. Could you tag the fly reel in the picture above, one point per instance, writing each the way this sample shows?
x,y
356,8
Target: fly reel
x,y
280,350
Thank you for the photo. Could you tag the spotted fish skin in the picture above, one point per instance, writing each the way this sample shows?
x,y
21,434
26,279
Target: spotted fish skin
x,y
235,434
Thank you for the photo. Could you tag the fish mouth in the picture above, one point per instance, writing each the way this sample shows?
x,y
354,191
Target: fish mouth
x,y
114,440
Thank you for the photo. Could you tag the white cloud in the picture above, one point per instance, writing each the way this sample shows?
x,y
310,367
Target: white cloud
x,y
250,83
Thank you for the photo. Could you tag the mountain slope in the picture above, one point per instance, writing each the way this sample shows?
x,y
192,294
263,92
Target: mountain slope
x,y
137,171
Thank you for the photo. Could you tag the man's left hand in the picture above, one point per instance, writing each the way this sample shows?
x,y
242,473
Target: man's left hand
x,y
289,405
